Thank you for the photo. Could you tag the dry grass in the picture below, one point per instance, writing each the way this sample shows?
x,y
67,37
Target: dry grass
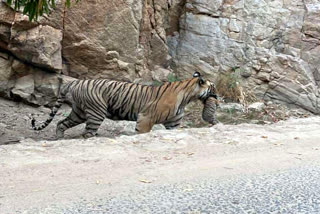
x,y
269,114
229,87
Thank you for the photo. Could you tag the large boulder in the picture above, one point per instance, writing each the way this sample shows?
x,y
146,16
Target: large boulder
x,y
40,46
5,72
38,87
24,82
31,42
6,19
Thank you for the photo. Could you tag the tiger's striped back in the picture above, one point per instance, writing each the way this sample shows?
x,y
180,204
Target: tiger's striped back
x,y
124,101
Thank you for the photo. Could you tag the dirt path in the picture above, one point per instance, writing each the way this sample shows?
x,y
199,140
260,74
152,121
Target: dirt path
x,y
37,174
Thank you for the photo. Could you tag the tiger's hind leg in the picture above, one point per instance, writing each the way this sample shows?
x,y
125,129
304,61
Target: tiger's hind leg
x,y
174,122
144,124
75,118
94,120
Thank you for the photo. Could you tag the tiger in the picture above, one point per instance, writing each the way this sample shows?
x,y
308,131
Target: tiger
x,y
94,100
209,110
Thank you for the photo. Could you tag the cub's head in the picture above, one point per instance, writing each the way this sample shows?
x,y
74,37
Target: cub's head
x,y
205,88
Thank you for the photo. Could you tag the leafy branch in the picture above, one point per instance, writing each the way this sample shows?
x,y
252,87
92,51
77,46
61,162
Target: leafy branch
x,y
36,8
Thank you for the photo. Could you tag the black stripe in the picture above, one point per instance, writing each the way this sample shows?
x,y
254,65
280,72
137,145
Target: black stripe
x,y
168,114
79,116
178,84
187,84
126,99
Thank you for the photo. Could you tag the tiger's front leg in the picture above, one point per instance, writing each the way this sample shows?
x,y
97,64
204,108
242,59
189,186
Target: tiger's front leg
x,y
93,122
144,124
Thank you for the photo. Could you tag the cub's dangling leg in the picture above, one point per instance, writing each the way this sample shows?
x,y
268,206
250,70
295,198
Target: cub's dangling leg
x,y
76,117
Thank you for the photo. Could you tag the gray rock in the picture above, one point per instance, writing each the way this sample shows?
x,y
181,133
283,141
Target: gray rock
x,y
24,87
40,46
231,107
246,73
160,74
29,83
5,73
234,26
112,55
257,106
311,25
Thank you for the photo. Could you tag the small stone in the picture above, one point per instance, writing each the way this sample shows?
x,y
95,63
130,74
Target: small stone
x,y
189,6
123,65
265,77
257,106
246,72
233,26
112,54
227,107
160,74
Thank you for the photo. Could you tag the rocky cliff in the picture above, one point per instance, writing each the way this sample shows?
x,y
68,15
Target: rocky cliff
x,y
274,44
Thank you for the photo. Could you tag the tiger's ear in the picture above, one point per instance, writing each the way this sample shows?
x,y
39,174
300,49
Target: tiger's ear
x,y
197,74
201,80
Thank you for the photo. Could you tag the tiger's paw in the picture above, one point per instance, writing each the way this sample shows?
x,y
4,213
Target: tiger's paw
x,y
59,134
89,135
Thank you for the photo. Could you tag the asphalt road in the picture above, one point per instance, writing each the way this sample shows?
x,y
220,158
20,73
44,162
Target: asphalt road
x,y
292,191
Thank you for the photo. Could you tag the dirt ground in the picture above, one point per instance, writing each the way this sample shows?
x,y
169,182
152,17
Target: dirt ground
x,y
15,121
15,124
55,173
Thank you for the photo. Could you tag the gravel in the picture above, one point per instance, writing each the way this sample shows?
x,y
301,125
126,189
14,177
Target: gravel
x,y
292,191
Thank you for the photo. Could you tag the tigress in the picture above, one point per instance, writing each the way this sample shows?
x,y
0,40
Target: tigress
x,y
95,100
209,110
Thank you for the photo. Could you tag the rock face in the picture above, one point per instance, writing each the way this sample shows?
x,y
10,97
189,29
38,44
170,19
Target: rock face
x,y
132,30
275,44
121,40
21,81
33,43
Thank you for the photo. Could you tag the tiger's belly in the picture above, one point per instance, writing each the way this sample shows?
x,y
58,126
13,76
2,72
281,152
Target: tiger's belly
x,y
121,114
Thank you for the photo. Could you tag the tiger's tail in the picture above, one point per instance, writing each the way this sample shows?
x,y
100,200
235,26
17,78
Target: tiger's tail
x,y
61,98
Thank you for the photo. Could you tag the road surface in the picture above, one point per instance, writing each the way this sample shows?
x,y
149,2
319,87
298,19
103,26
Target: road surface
x,y
223,169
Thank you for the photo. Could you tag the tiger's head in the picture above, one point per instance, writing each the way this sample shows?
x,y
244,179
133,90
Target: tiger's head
x,y
205,87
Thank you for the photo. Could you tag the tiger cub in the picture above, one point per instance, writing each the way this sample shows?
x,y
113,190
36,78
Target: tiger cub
x,y
209,110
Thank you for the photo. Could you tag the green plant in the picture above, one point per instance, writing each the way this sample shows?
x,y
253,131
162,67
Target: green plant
x,y
36,8
173,78
157,83
232,110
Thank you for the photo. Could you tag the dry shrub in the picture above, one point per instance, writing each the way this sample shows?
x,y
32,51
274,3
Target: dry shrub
x,y
229,87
